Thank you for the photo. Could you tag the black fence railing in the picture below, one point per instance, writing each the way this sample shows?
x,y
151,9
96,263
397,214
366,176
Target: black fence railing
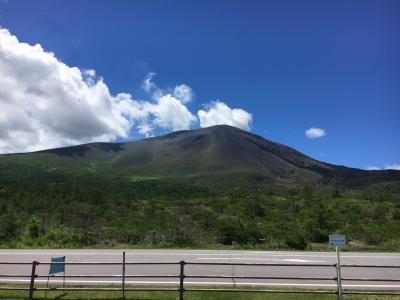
x,y
183,286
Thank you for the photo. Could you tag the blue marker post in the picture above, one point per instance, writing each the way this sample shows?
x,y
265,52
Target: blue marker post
x,y
57,266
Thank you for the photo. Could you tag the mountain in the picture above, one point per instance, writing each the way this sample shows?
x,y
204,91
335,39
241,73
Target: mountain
x,y
204,187
217,150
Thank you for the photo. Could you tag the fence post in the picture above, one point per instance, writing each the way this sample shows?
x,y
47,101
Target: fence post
x,y
338,275
33,276
123,275
181,278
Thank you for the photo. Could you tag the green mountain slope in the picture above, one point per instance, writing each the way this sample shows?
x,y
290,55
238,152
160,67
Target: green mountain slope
x,y
209,151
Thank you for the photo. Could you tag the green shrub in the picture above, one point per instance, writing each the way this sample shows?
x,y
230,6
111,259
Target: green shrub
x,y
296,240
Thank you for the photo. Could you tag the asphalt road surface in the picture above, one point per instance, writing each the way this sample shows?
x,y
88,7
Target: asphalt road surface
x,y
212,256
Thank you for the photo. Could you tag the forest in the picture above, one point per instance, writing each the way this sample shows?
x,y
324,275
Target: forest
x,y
104,209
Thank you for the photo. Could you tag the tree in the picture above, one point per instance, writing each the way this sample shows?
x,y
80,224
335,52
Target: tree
x,y
228,230
296,240
34,227
8,227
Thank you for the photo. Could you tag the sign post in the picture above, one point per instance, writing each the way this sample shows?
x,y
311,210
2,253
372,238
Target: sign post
x,y
123,274
338,274
338,241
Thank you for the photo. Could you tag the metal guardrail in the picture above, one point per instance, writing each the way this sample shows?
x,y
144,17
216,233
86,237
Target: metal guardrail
x,y
182,276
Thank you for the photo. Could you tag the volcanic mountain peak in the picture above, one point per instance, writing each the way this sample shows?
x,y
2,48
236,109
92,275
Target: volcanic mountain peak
x,y
218,149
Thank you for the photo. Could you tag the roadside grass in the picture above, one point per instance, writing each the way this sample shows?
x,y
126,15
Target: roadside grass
x,y
172,295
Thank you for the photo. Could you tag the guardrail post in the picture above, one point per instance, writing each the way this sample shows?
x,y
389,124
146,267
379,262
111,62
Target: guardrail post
x,y
33,276
338,275
181,278
123,275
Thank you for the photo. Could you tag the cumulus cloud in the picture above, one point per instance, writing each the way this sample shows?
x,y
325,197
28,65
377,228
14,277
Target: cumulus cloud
x,y
315,133
373,168
45,103
170,113
183,92
148,83
218,113
89,73
392,166
145,129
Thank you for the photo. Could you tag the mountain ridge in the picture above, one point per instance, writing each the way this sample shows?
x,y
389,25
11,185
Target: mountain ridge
x,y
213,150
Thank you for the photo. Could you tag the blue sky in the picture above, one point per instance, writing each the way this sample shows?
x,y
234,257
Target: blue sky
x,y
292,65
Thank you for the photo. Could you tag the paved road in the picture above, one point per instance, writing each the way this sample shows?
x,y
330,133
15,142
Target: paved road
x,y
256,257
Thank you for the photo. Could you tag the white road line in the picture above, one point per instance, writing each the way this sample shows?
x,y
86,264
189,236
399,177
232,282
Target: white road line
x,y
208,283
260,259
319,255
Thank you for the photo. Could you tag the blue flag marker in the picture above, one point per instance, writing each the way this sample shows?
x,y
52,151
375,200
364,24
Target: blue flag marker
x,y
57,268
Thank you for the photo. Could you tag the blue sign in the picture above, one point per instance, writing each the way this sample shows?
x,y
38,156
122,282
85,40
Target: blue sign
x,y
57,268
337,240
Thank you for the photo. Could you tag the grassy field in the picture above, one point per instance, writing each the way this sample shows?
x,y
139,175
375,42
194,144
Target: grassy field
x,y
188,296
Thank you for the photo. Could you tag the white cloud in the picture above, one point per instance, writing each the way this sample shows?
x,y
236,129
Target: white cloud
x,y
171,114
392,166
373,168
183,93
167,113
45,103
315,133
148,83
145,129
90,72
218,113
